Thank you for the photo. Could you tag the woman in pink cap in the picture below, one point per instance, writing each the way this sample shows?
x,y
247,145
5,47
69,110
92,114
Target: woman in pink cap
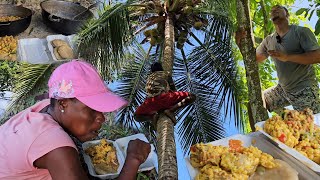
x,y
35,143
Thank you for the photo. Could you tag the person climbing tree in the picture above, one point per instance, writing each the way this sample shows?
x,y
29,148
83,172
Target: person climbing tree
x,y
161,96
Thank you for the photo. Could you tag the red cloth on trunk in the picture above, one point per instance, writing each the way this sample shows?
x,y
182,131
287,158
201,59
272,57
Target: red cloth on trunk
x,y
161,102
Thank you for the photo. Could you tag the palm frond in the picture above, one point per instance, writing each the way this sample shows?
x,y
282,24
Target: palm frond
x,y
31,81
132,86
216,68
103,41
199,122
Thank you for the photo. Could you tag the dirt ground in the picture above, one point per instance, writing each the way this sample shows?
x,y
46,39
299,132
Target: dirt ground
x,y
37,28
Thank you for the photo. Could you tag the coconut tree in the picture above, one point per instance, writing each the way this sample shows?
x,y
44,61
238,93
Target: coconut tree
x,y
191,38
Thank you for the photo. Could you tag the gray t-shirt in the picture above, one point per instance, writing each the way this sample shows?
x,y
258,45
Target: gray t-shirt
x,y
292,76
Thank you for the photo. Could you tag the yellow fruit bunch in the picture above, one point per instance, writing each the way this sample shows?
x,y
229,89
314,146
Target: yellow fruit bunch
x,y
9,18
8,48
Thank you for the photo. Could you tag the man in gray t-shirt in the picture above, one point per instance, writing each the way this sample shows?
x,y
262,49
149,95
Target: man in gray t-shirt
x,y
293,49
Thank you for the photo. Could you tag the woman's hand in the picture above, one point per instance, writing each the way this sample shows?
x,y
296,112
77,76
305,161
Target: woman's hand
x,y
137,153
138,150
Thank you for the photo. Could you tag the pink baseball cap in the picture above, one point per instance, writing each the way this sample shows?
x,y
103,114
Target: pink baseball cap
x,y
79,79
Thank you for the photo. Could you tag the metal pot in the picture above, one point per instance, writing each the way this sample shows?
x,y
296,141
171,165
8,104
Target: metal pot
x,y
18,26
58,15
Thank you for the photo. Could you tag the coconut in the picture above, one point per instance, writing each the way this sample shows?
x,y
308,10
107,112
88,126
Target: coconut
x,y
143,10
183,34
154,32
147,33
187,10
153,41
180,45
198,25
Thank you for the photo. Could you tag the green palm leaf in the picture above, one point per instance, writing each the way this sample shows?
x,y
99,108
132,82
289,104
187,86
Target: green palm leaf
x,y
103,41
199,122
132,85
31,81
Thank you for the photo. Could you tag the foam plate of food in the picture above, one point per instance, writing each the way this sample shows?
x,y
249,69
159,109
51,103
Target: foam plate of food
x,y
61,47
296,133
103,158
243,157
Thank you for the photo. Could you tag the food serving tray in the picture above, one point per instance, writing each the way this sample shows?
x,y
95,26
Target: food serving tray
x,y
256,139
306,161
88,161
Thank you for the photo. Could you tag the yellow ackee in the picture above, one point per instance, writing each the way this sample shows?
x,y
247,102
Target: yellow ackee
x,y
8,48
297,130
9,18
236,163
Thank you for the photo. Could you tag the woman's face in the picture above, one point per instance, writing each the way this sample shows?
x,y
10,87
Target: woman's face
x,y
81,121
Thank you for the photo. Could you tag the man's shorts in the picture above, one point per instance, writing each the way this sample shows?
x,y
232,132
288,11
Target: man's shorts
x,y
277,98
161,102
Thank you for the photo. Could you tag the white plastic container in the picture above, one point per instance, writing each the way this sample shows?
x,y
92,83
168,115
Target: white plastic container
x,y
149,163
88,161
67,39
33,51
255,139
306,161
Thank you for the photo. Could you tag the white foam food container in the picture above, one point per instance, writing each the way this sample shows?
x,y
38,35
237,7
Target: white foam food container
x,y
306,161
149,164
88,161
33,51
68,39
256,139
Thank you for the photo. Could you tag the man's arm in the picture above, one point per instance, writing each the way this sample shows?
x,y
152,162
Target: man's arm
x,y
311,57
62,163
260,57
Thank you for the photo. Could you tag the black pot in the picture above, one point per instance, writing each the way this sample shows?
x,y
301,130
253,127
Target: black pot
x,y
18,26
58,15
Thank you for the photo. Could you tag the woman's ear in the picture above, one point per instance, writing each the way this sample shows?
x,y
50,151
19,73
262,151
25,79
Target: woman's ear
x,y
62,104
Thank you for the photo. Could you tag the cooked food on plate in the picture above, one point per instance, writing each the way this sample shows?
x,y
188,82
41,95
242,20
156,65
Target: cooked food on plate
x,y
237,163
62,50
8,48
103,157
296,130
9,18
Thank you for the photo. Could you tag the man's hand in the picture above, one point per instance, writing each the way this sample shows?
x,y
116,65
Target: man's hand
x,y
278,55
138,150
171,115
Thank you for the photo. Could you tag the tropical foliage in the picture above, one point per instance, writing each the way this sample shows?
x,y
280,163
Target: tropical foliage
x,y
203,61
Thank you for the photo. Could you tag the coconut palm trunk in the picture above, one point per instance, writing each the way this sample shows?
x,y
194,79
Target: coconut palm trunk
x,y
166,145
259,113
